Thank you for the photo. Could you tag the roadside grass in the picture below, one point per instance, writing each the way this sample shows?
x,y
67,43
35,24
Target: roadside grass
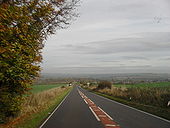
x,y
155,96
142,85
37,107
161,112
40,88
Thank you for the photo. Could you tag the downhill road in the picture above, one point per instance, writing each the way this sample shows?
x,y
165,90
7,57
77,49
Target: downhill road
x,y
83,109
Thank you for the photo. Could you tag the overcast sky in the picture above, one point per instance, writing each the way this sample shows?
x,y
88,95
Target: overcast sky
x,y
113,36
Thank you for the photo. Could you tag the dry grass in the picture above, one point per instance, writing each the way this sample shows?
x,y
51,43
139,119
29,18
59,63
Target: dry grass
x,y
150,96
118,92
150,99
40,100
36,103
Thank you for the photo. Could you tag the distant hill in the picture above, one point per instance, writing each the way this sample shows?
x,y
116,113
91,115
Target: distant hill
x,y
133,76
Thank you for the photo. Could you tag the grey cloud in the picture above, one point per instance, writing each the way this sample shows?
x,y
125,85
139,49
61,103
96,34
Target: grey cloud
x,y
165,58
114,61
111,33
135,58
129,9
118,69
148,42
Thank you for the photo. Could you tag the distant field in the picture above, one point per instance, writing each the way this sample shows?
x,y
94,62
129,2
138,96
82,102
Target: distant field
x,y
40,88
160,84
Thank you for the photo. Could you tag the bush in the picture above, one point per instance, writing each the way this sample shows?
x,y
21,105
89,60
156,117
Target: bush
x,y
104,84
63,86
10,105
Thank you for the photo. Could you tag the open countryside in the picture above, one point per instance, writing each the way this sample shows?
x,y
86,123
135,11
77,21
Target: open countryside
x,y
84,64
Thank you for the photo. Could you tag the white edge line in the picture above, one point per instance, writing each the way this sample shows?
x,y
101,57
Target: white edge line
x,y
85,101
134,108
54,110
94,114
106,113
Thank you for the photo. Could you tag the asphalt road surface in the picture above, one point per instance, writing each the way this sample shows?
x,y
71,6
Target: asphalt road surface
x,y
74,112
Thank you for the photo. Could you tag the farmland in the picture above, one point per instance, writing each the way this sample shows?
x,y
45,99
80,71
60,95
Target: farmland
x,y
142,85
40,88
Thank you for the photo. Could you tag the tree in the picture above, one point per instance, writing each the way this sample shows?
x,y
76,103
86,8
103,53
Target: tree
x,y
104,84
24,26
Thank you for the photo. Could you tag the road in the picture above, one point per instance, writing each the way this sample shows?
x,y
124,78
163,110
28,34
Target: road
x,y
83,109
73,113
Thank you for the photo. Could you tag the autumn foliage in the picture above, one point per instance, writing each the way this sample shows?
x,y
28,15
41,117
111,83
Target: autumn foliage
x,y
24,25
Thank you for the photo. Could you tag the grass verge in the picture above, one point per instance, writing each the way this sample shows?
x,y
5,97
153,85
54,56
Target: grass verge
x,y
161,112
37,108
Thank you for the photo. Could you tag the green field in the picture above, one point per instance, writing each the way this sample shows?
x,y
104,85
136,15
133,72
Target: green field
x,y
40,88
159,84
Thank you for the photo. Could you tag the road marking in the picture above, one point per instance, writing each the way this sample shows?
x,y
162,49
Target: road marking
x,y
54,110
106,114
93,106
85,101
91,101
99,114
130,107
96,110
134,108
94,114
111,125
102,115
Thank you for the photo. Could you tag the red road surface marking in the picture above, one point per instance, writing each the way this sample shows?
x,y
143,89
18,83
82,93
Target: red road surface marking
x,y
100,115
